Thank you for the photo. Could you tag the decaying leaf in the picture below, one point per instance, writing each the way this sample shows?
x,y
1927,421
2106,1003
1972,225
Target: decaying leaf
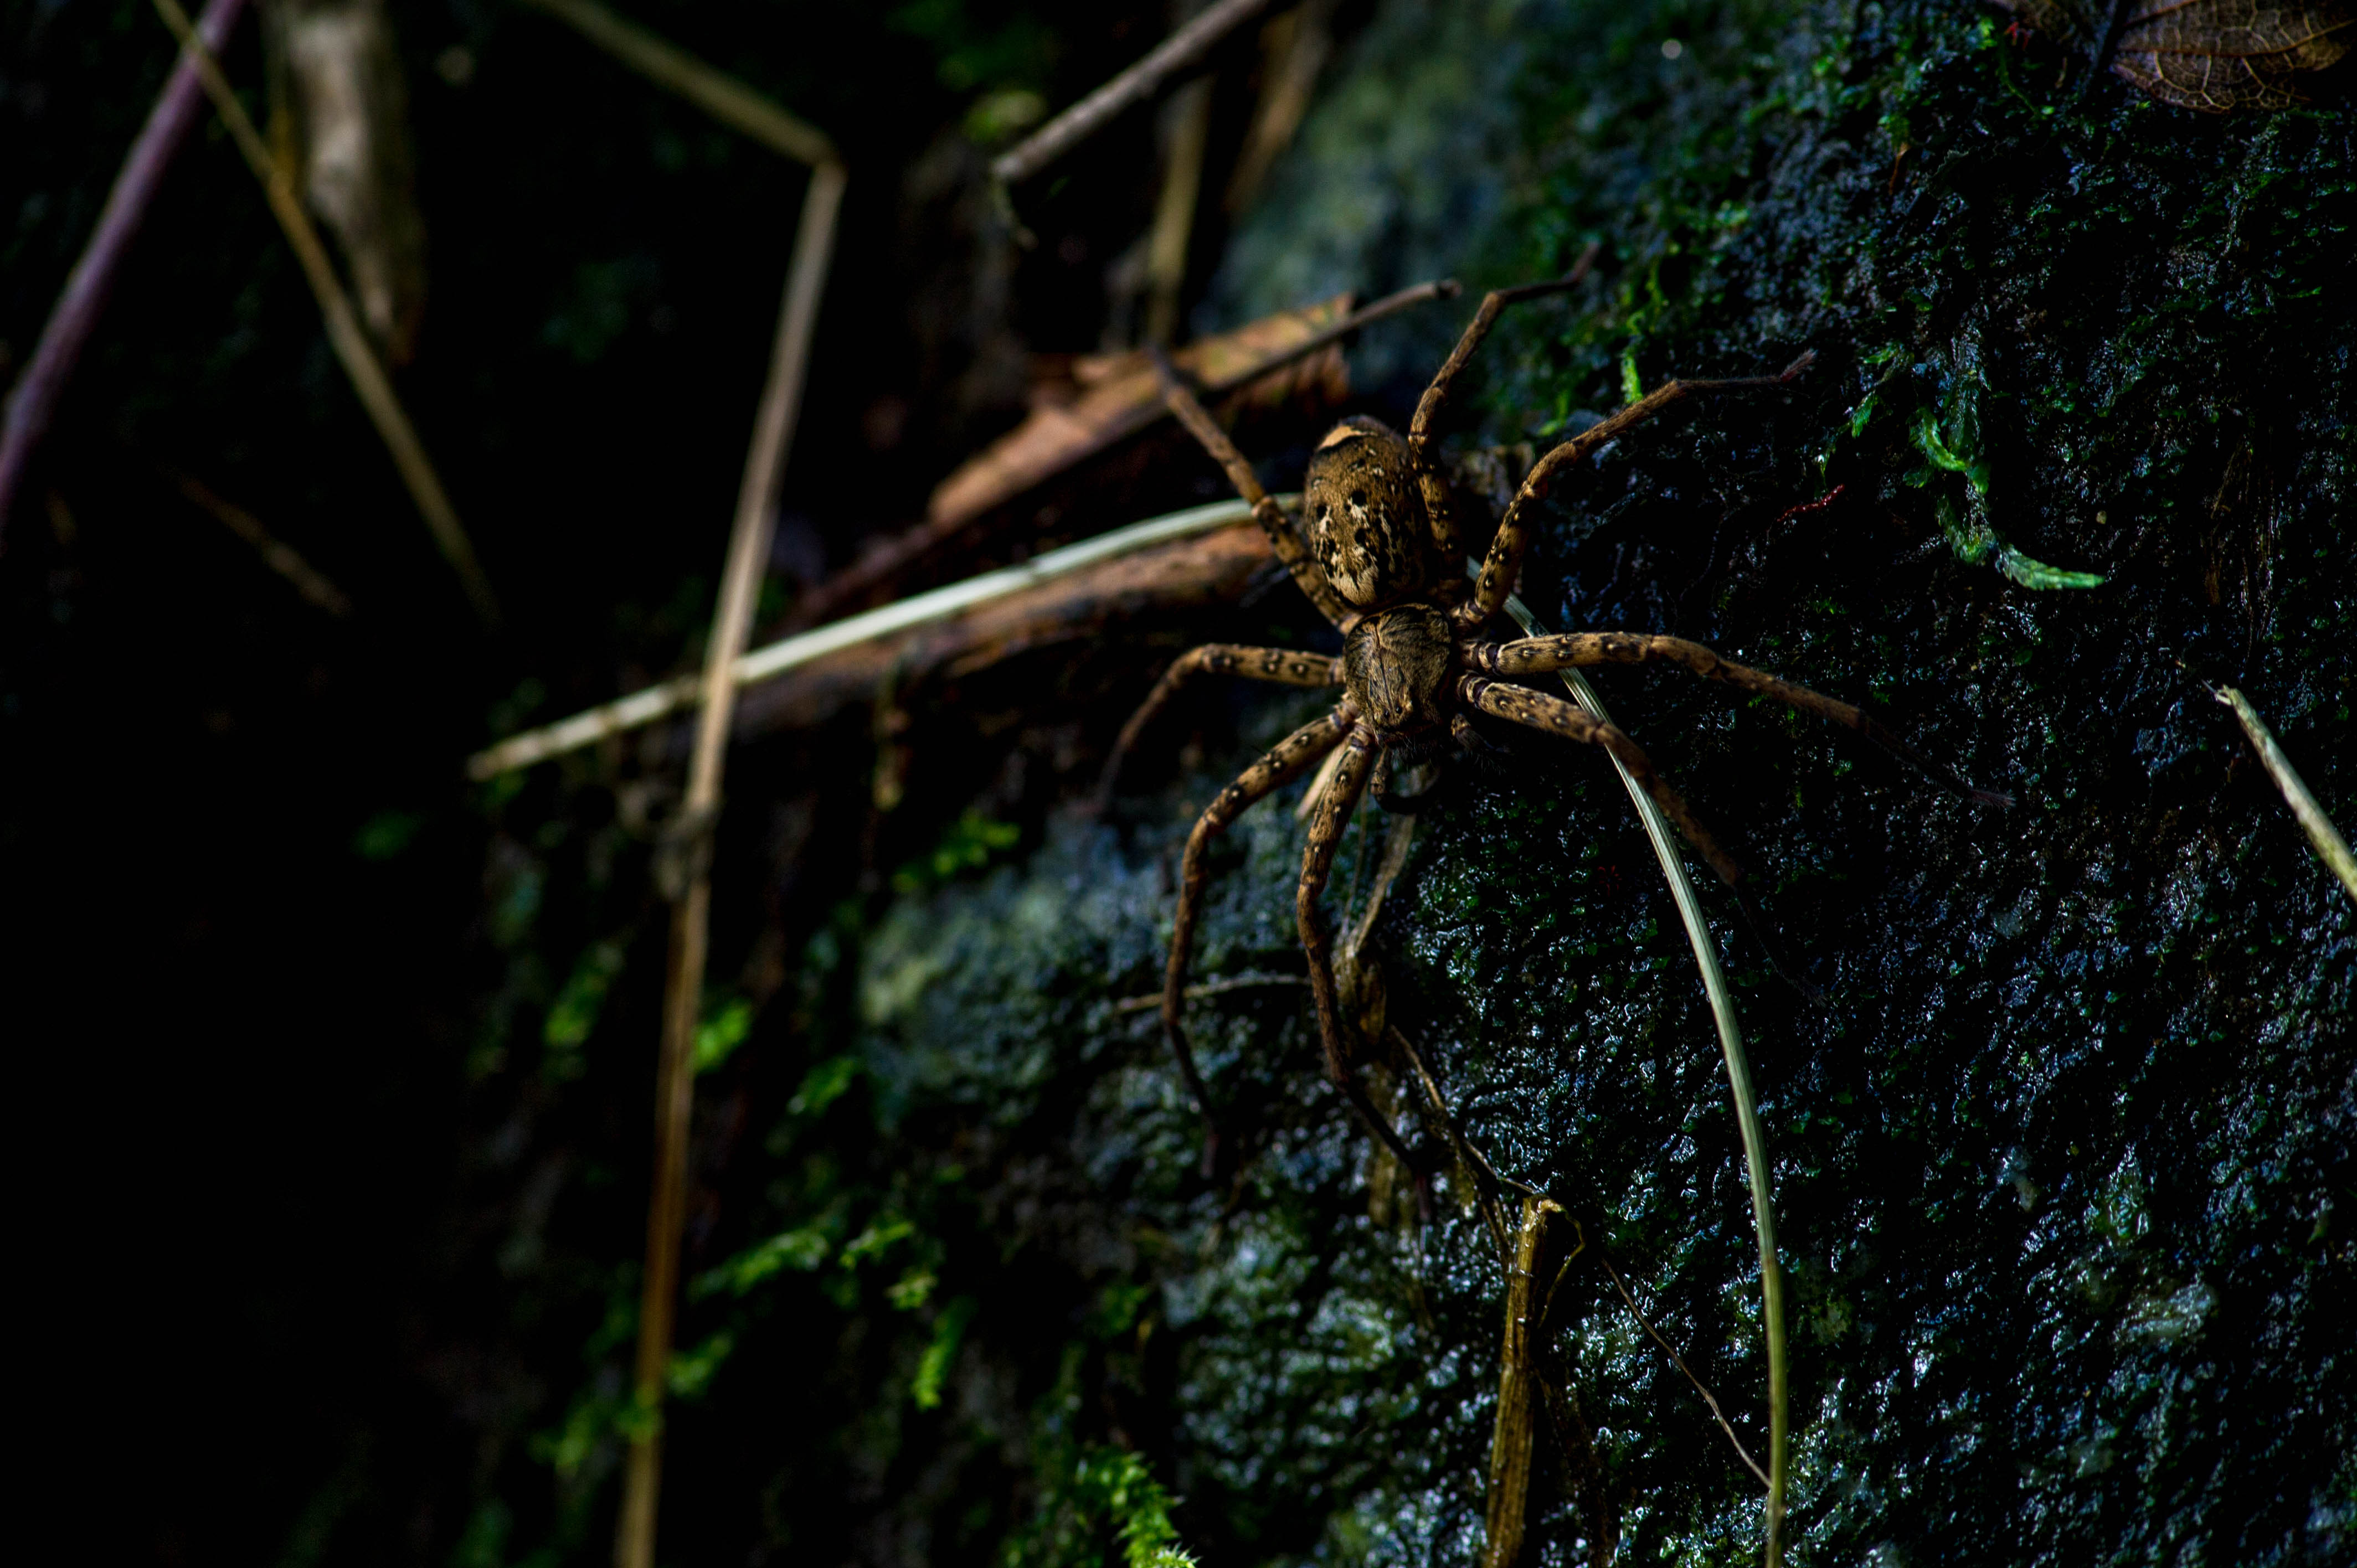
x,y
345,129
2211,55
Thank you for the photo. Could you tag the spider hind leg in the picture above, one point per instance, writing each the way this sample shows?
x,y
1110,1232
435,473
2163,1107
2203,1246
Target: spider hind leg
x,y
1288,760
1334,810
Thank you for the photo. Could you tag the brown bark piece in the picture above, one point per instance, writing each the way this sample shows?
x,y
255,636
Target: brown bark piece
x,y
1118,397
1212,568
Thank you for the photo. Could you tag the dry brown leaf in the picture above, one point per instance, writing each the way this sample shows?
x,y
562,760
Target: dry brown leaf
x,y
2209,54
2216,55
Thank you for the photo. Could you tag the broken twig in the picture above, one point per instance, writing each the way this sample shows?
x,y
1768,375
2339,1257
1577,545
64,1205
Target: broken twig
x,y
1510,1442
33,401
2330,846
1139,82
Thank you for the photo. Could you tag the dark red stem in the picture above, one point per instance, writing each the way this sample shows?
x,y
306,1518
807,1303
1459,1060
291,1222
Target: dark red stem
x,y
35,396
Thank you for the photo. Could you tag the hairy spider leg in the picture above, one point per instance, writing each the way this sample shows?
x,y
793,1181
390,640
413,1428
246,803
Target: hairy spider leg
x,y
1436,507
1285,667
1288,760
1536,655
1538,711
1282,538
1505,556
1334,809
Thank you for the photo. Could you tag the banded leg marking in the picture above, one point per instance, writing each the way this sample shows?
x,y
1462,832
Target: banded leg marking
x,y
1536,710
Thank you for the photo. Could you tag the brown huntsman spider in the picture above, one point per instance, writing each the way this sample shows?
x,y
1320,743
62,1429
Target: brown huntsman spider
x,y
1380,563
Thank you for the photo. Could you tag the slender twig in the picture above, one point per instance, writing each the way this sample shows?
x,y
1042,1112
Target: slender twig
x,y
276,555
345,333
716,93
690,838
33,401
1474,1162
740,583
1738,1081
2330,846
1181,49
1679,1361
1211,988
643,708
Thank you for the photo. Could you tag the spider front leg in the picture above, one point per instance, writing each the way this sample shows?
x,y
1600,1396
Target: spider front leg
x,y
1266,511
1536,655
1285,667
1505,558
1436,501
1288,760
1334,809
1538,711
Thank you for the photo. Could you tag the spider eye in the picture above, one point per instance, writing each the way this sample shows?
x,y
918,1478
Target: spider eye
x,y
1324,512
1358,498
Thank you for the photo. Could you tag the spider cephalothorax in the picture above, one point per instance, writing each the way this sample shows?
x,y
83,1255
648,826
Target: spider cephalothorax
x,y
1380,561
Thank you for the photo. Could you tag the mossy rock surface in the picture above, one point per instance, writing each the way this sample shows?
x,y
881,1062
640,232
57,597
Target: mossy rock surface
x,y
2059,1098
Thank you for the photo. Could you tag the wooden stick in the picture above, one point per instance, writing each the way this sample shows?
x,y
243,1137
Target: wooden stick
x,y
33,401
1510,1442
716,93
1140,81
741,585
344,331
2330,846
276,555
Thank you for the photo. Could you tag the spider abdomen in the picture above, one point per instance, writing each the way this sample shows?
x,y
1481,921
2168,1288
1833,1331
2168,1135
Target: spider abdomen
x,y
1396,668
1366,517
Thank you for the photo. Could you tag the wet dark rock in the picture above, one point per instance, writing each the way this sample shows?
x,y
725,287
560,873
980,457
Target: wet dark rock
x,y
2061,1151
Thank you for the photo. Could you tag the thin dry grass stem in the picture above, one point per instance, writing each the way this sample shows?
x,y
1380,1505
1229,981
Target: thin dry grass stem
x,y
2322,836
690,839
716,93
1175,53
279,556
1203,989
32,401
1740,1086
1679,1361
345,333
645,707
